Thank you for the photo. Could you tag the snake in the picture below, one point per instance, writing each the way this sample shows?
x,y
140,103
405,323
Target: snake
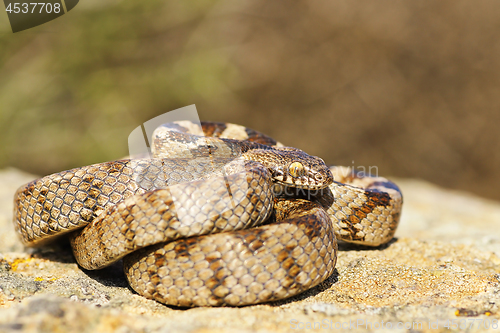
x,y
217,215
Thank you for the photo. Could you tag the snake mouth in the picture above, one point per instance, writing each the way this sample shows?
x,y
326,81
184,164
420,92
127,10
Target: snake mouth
x,y
315,181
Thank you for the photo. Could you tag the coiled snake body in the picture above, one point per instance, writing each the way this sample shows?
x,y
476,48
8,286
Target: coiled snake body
x,y
221,215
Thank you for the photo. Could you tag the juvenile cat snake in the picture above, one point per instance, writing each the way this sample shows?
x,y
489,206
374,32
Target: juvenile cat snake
x,y
222,215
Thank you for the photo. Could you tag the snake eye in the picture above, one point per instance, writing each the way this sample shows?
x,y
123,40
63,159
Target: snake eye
x,y
296,169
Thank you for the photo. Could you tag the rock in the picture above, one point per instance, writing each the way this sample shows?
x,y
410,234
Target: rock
x,y
442,269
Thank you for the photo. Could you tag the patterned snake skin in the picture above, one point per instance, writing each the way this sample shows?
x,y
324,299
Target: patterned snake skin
x,y
222,215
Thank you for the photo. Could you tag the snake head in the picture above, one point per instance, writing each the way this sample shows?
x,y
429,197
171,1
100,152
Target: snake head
x,y
292,167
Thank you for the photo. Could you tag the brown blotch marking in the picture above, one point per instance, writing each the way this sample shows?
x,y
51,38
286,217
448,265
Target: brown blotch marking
x,y
180,249
282,256
252,239
254,199
84,186
93,193
154,278
218,278
366,208
126,216
294,270
151,197
28,190
164,208
97,183
86,216
183,247
209,148
215,301
114,166
249,238
111,210
354,219
288,263
129,235
159,260
303,213
190,242
258,137
47,206
213,129
360,214
287,282
212,258
212,283
310,227
255,245
90,203
289,248
220,275
88,178
378,198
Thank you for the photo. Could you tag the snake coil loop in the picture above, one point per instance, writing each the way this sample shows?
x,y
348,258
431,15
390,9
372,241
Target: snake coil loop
x,y
220,215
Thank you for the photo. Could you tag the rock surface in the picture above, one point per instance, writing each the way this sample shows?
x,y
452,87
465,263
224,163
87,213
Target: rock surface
x,y
442,269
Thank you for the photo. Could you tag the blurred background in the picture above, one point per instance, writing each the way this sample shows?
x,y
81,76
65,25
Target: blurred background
x,y
411,87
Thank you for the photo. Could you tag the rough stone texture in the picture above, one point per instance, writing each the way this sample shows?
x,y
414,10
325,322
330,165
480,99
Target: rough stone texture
x,y
443,265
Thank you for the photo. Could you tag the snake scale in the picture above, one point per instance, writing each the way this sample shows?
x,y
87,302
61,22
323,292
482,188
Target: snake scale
x,y
220,215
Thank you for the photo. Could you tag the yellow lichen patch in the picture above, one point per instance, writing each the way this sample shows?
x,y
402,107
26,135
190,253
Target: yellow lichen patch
x,y
19,262
39,278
